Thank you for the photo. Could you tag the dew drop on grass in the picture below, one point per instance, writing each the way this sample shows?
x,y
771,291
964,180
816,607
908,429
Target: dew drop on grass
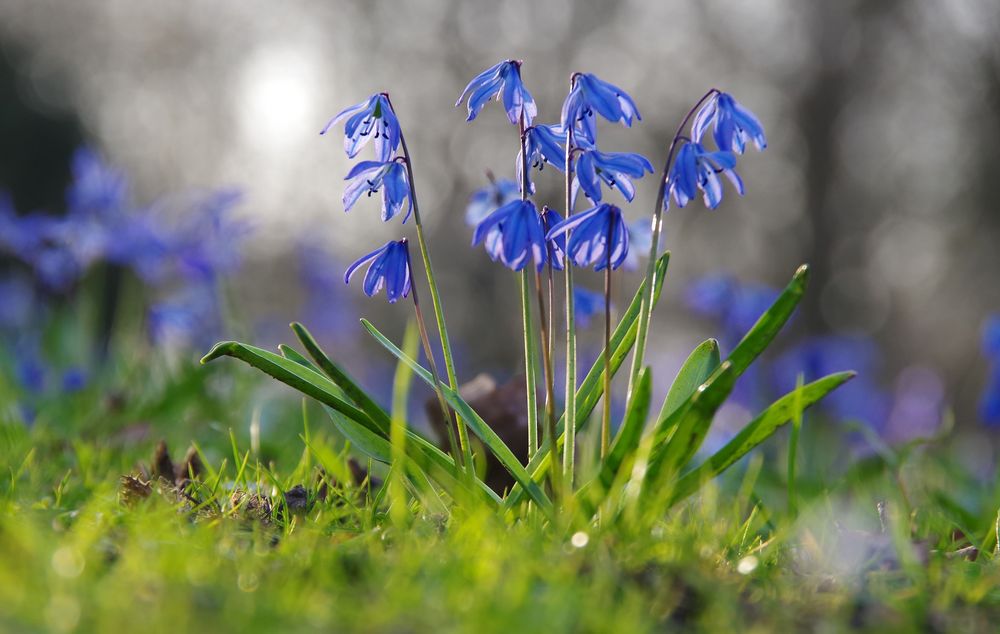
x,y
747,565
67,562
579,539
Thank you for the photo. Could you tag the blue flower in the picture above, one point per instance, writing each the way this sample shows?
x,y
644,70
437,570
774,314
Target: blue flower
x,y
209,245
388,265
514,234
586,304
696,168
593,231
74,379
370,119
490,198
589,95
503,78
734,124
616,169
370,176
188,317
544,144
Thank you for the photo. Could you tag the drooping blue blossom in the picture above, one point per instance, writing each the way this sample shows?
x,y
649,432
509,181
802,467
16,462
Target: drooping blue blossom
x,y
615,169
373,118
389,266
734,124
485,201
502,81
640,239
599,236
372,176
697,168
545,145
514,235
586,304
589,95
989,406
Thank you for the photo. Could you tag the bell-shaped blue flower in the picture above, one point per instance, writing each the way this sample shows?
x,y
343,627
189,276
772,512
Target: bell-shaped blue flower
x,y
389,266
599,236
502,80
545,145
734,124
696,168
388,177
589,95
485,201
514,235
616,169
370,119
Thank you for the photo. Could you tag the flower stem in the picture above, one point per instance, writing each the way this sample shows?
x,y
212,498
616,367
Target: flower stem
x,y
546,332
569,447
646,309
606,415
442,402
529,365
449,363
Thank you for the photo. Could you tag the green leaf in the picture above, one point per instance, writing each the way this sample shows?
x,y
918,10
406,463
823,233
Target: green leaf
x,y
624,445
700,365
757,431
350,387
478,426
592,387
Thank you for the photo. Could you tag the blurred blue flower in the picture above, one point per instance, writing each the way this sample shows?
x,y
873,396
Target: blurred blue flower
x,y
143,244
29,369
370,119
593,231
97,189
189,317
989,406
734,124
74,379
327,307
388,265
502,80
616,169
371,176
485,201
589,95
735,305
696,168
17,300
209,245
859,400
514,235
586,304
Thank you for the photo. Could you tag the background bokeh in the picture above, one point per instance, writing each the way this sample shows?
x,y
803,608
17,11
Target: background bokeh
x,y
883,122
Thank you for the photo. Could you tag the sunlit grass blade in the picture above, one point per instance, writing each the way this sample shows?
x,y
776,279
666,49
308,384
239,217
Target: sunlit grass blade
x,y
625,443
478,426
757,431
350,387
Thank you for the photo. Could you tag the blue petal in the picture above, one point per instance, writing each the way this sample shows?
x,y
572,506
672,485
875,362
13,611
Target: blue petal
x,y
362,260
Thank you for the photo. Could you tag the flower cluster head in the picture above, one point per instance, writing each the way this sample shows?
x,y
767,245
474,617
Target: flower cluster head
x,y
589,95
502,80
698,168
370,119
389,266
599,237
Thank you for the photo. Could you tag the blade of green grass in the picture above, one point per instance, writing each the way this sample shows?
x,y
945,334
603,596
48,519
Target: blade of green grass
x,y
757,431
